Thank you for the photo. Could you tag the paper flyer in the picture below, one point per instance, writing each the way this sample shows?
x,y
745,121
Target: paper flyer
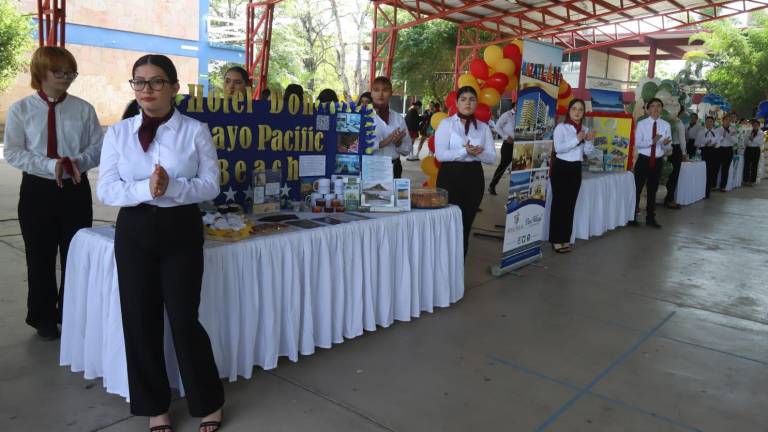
x,y
377,182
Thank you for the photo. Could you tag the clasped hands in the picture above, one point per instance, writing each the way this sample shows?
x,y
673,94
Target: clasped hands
x,y
69,166
395,137
473,150
158,181
582,136
658,137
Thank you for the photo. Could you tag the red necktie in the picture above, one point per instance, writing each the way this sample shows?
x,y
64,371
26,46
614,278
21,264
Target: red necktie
x,y
652,163
52,150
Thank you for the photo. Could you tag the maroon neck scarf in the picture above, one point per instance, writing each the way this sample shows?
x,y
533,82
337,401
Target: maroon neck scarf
x,y
53,146
148,128
468,120
573,123
383,112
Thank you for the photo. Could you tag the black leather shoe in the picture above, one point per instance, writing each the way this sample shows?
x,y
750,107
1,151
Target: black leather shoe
x,y
491,190
633,222
652,223
48,333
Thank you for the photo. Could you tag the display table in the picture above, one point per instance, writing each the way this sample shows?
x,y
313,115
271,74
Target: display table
x,y
279,295
692,183
606,201
735,174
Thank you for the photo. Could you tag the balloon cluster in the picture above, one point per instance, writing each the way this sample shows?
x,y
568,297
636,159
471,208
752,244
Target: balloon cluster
x,y
564,97
490,76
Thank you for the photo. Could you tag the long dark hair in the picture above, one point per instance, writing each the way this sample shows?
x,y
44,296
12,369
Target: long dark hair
x,y
570,105
160,61
243,74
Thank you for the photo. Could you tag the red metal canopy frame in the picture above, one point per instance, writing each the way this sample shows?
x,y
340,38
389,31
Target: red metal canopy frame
x,y
576,25
51,18
258,38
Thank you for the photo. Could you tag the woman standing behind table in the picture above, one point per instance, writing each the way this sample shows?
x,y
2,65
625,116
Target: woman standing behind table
x,y
572,139
392,137
54,138
754,145
461,144
157,166
236,80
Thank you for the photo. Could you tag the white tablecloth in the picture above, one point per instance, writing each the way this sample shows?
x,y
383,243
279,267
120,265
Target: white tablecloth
x,y
735,174
692,183
280,295
606,201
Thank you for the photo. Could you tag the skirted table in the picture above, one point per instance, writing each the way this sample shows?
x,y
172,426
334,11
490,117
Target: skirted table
x,y
735,175
692,183
606,201
272,296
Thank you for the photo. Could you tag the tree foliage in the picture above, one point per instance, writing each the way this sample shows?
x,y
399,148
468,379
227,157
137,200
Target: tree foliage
x,y
738,62
15,42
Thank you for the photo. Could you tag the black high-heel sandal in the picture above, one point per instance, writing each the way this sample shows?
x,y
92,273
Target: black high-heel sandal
x,y
216,425
161,428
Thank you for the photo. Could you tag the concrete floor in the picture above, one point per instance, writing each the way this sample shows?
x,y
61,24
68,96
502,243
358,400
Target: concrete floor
x,y
637,330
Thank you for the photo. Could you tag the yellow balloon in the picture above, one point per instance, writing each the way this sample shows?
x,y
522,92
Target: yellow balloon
x,y
437,118
512,83
428,166
492,55
506,66
467,80
519,43
489,96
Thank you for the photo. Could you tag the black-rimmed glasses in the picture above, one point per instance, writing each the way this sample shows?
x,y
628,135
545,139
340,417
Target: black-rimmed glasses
x,y
155,84
61,74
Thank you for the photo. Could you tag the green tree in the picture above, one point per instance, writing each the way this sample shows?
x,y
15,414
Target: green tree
x,y
424,58
15,42
737,60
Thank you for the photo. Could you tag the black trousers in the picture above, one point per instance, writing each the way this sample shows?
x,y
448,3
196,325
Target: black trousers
x,y
647,177
159,254
690,148
49,217
506,159
397,168
676,159
725,157
566,182
465,184
751,159
709,155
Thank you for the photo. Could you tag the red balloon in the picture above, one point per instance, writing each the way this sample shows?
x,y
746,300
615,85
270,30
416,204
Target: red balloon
x,y
450,99
561,110
437,163
479,69
512,52
431,144
453,110
483,113
499,81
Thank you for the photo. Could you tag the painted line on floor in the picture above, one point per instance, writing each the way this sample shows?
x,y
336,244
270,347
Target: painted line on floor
x,y
606,398
674,339
623,357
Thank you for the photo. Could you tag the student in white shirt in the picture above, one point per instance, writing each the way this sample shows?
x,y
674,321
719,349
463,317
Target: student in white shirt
x,y
754,145
505,127
157,166
392,137
462,145
691,133
706,141
726,138
571,139
651,136
678,141
54,138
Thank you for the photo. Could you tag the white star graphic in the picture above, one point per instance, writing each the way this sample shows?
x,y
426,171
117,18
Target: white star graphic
x,y
230,194
284,191
248,193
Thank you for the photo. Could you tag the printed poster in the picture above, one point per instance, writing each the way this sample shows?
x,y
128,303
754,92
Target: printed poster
x,y
614,136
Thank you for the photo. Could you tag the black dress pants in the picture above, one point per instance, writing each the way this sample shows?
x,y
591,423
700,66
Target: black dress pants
x,y
709,155
49,217
647,177
751,159
397,168
725,158
506,158
159,254
566,182
676,159
465,184
690,148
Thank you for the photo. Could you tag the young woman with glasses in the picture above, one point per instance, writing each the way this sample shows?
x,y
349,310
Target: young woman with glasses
x,y
157,166
54,138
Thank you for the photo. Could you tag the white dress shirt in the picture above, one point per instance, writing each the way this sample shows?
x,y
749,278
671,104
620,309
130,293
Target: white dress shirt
x,y
568,147
706,138
692,132
182,145
384,129
726,138
78,135
680,137
450,140
644,136
505,127
757,141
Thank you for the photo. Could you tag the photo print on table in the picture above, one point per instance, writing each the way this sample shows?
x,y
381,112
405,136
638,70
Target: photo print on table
x,y
347,164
